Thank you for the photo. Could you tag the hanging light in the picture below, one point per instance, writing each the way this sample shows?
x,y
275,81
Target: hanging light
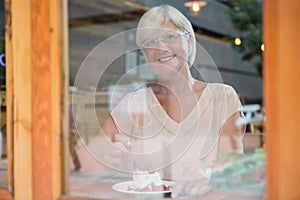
x,y
237,41
262,47
195,6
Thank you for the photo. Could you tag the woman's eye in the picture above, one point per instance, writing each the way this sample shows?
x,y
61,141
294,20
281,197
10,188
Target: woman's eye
x,y
170,37
151,43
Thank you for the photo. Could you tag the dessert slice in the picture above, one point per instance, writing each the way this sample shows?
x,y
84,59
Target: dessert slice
x,y
147,181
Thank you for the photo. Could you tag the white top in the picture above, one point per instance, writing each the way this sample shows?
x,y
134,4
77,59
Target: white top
x,y
160,143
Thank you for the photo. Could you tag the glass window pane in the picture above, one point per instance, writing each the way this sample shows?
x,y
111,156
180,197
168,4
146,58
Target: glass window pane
x,y
106,68
3,155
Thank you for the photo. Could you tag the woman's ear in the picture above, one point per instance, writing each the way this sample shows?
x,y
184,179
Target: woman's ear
x,y
190,44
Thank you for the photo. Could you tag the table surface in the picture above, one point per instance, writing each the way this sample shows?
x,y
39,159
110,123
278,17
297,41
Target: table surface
x,y
100,186
3,173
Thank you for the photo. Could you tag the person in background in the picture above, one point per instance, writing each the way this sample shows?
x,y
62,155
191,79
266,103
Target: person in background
x,y
178,125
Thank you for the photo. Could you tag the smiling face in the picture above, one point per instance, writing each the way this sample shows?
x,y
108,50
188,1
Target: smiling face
x,y
167,50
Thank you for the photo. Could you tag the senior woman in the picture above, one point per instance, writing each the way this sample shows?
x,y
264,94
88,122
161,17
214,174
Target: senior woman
x,y
178,125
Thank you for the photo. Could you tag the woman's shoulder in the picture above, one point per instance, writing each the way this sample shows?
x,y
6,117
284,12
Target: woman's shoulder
x,y
221,87
219,91
201,84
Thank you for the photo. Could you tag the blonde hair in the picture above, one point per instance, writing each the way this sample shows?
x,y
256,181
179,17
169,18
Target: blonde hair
x,y
159,15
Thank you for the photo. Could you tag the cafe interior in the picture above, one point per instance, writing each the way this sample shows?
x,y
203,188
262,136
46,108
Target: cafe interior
x,y
64,65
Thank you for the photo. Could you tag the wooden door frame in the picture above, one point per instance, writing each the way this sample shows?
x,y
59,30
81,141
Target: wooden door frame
x,y
282,97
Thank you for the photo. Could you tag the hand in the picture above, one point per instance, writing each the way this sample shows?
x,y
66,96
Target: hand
x,y
123,141
111,153
119,156
193,182
102,154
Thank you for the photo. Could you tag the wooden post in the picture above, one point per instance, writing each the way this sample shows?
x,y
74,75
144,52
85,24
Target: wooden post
x,y
20,58
34,60
46,66
282,97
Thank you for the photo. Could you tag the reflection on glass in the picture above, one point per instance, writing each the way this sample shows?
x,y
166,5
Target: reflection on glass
x,y
3,154
106,65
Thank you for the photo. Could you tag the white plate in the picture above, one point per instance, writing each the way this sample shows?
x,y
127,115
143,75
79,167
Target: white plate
x,y
123,187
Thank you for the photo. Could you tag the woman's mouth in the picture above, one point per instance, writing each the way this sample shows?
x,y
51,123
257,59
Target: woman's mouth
x,y
166,59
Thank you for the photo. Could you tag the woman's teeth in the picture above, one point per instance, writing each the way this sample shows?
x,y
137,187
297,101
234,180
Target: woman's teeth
x,y
166,59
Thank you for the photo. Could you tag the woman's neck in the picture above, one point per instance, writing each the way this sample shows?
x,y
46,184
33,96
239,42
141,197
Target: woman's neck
x,y
178,85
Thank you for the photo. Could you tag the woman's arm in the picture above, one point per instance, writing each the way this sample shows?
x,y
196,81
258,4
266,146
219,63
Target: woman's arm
x,y
232,133
195,182
109,128
102,149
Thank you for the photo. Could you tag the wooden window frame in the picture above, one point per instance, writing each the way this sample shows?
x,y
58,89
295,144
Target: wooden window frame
x,y
37,72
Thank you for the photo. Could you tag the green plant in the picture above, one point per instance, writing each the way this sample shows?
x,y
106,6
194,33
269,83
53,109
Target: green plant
x,y
246,17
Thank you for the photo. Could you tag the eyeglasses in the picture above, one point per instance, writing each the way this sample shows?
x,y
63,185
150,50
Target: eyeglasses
x,y
167,39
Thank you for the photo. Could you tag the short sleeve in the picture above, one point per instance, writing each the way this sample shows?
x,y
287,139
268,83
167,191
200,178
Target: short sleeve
x,y
233,103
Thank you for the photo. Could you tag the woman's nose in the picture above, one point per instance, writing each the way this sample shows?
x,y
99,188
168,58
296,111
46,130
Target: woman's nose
x,y
160,45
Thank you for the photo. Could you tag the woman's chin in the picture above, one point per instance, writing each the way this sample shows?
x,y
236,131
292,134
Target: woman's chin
x,y
168,75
